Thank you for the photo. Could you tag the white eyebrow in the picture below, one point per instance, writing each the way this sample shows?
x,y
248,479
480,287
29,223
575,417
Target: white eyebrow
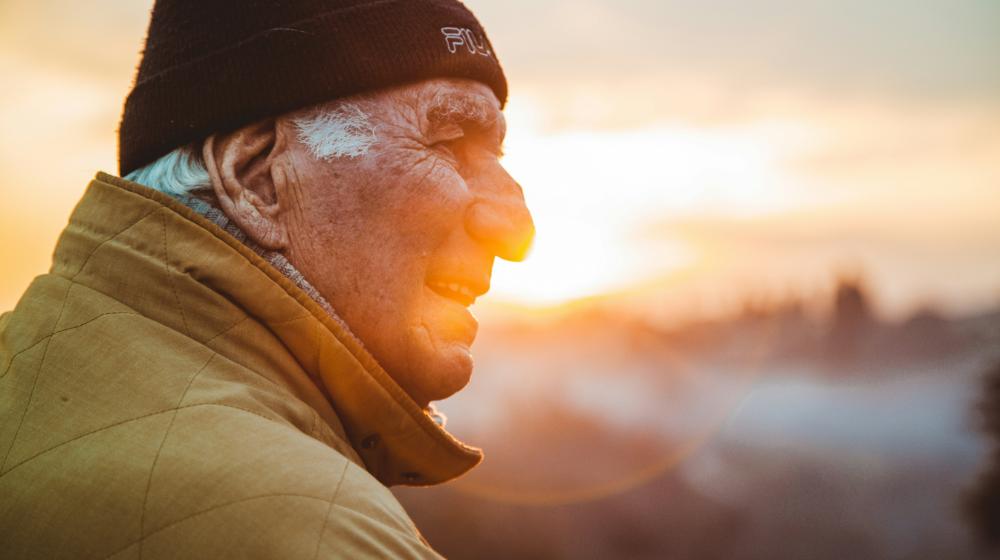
x,y
459,108
332,133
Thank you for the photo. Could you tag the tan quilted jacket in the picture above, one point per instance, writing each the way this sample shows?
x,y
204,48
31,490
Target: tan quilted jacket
x,y
166,393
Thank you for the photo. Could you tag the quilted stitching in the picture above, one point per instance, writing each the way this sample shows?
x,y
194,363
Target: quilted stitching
x,y
211,509
34,383
173,286
129,420
159,449
81,436
326,518
48,339
59,331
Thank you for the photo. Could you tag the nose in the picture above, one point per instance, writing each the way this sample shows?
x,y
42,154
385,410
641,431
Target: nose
x,y
499,219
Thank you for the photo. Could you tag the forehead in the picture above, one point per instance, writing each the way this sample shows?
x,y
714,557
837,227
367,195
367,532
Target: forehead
x,y
438,102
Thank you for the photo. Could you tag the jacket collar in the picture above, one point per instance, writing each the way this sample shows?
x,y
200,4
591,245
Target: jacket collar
x,y
273,258
398,441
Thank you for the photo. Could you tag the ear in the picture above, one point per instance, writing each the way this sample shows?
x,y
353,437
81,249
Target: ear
x,y
247,179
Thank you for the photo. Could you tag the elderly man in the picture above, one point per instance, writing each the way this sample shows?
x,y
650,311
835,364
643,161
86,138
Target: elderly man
x,y
238,343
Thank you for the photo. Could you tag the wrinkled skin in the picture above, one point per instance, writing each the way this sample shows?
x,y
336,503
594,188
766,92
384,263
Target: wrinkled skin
x,y
386,236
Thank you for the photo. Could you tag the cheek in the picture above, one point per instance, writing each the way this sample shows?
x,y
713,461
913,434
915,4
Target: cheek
x,y
422,196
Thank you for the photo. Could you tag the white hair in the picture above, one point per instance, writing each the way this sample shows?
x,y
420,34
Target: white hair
x,y
344,131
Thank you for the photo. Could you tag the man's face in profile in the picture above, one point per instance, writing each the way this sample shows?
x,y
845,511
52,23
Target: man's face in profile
x,y
401,240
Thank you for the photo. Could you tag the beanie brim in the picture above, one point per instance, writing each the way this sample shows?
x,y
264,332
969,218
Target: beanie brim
x,y
332,55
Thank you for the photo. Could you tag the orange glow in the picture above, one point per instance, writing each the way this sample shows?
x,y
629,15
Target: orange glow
x,y
764,283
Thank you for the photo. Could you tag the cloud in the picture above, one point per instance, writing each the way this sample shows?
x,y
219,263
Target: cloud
x,y
724,57
910,47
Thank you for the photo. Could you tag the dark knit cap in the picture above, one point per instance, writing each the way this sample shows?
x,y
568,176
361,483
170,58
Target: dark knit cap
x,y
215,65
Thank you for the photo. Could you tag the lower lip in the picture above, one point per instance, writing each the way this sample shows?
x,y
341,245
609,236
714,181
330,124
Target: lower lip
x,y
464,317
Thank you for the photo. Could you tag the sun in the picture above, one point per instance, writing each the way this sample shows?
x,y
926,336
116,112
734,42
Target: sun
x,y
593,193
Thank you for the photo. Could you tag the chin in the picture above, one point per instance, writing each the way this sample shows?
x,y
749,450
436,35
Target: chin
x,y
438,357
441,373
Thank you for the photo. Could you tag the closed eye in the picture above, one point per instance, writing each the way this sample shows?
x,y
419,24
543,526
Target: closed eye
x,y
453,142
448,148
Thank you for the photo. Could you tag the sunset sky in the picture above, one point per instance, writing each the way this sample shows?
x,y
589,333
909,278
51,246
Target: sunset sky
x,y
696,152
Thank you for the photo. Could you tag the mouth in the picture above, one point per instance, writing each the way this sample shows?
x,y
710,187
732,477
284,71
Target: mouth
x,y
457,290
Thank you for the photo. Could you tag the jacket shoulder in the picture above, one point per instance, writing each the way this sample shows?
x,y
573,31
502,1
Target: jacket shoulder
x,y
205,481
267,493
120,437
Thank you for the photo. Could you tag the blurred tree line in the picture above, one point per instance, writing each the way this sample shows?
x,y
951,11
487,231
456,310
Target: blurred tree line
x,y
982,502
